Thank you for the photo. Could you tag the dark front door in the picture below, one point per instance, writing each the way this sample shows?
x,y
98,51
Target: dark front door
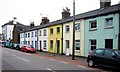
x,y
109,43
40,46
58,46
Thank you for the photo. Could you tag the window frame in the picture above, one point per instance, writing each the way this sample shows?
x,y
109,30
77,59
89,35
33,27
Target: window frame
x,y
51,45
67,28
58,30
44,32
93,45
90,25
107,25
77,42
77,27
45,44
51,31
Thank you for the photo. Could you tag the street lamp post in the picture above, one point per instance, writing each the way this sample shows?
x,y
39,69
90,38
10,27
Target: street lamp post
x,y
73,51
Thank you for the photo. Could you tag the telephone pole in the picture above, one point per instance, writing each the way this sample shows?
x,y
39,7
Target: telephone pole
x,y
73,51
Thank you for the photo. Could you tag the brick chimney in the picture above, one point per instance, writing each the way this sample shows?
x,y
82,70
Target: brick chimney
x,y
31,24
66,13
105,3
44,20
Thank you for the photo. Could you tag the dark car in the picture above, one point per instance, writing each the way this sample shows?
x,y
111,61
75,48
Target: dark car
x,y
28,48
104,57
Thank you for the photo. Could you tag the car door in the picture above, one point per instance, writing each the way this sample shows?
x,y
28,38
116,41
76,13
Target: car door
x,y
109,58
98,56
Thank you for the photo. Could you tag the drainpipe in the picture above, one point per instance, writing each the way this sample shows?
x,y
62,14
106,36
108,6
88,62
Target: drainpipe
x,y
62,39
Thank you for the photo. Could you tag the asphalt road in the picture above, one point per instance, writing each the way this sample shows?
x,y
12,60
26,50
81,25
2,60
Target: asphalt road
x,y
16,60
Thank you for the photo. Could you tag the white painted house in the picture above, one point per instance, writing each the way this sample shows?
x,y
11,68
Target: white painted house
x,y
43,39
30,36
7,30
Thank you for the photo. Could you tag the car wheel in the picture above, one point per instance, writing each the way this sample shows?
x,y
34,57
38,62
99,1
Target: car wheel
x,y
91,63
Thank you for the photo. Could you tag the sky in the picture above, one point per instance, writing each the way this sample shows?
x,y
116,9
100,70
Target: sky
x,y
33,10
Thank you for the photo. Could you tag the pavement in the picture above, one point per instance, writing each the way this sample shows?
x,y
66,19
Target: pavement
x,y
82,61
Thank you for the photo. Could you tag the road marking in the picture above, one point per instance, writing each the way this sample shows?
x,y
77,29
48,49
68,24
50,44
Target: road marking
x,y
63,62
23,59
50,69
14,55
81,66
53,59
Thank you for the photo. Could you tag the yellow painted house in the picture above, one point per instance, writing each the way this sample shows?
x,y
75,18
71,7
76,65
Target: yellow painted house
x,y
55,39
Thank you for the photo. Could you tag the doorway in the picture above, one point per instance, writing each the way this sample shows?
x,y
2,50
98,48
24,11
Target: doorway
x,y
109,43
58,46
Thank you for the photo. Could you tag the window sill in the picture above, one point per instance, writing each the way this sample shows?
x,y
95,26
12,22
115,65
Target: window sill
x,y
77,30
77,51
108,27
67,32
93,29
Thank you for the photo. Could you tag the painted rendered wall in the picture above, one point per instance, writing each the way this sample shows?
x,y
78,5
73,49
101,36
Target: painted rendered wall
x,y
54,37
42,38
101,33
79,35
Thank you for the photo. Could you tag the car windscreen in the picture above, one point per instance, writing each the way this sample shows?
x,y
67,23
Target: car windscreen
x,y
118,52
30,46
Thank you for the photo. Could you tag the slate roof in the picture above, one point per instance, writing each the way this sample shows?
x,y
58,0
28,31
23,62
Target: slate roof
x,y
9,23
90,14
21,27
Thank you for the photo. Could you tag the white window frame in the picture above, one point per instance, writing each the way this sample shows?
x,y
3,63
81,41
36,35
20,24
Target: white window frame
x,y
77,42
44,32
92,45
45,44
90,25
77,27
107,22
67,28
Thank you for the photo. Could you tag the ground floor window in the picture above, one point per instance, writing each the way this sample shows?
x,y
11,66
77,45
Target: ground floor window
x,y
77,44
51,44
29,42
44,44
93,44
67,43
32,43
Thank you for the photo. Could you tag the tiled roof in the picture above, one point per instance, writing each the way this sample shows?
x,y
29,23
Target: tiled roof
x,y
94,13
9,23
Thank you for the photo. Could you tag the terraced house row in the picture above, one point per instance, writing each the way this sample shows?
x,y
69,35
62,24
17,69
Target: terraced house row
x,y
99,28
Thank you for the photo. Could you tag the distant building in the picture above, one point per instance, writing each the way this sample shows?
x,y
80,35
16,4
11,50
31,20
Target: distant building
x,y
7,30
16,32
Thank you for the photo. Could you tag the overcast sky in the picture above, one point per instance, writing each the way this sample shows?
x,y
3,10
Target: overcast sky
x,y
34,10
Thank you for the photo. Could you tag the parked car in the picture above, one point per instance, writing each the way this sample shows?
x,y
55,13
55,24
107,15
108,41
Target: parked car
x,y
17,46
104,57
28,48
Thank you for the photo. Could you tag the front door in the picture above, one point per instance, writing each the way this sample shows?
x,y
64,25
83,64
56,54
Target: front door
x,y
109,43
40,46
58,46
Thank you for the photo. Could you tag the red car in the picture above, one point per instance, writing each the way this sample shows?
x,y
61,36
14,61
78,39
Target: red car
x,y
28,48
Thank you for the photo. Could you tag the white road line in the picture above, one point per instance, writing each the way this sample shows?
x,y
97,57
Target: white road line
x,y
53,59
81,66
23,59
50,69
63,62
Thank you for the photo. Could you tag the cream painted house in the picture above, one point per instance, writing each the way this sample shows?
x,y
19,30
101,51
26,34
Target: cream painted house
x,y
68,37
